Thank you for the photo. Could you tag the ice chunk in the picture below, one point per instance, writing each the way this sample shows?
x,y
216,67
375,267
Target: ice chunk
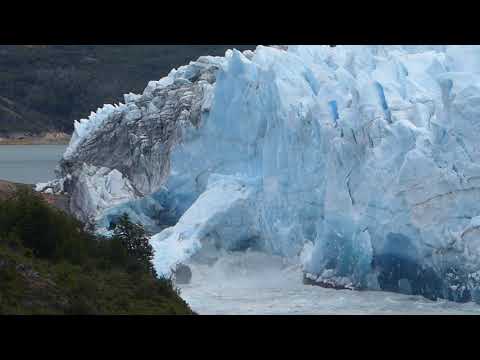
x,y
223,212
98,190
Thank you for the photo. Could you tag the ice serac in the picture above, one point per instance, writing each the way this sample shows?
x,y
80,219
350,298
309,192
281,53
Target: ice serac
x,y
370,153
221,217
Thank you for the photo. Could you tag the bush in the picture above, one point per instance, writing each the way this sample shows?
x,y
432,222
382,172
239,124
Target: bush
x,y
74,271
29,225
51,234
133,244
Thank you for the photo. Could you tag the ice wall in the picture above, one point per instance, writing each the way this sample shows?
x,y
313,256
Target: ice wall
x,y
369,152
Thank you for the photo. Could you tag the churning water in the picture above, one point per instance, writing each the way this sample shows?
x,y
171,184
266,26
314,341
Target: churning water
x,y
259,284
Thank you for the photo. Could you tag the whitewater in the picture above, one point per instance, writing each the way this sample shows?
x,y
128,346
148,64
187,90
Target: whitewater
x,y
359,164
260,284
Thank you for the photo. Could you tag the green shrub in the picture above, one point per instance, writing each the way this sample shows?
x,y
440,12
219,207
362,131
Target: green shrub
x,y
71,270
51,234
133,241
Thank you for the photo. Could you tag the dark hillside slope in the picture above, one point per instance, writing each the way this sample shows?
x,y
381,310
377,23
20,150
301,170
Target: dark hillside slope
x,y
47,87
50,264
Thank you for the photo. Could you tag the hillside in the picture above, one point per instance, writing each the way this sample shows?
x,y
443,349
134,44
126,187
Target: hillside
x,y
47,87
50,265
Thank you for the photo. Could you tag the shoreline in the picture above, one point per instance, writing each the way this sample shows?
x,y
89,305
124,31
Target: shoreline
x,y
45,139
31,142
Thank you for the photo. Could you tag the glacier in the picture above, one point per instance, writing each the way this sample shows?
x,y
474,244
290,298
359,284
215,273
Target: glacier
x,y
362,162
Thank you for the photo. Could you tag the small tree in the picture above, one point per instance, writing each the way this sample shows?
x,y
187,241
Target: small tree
x,y
135,241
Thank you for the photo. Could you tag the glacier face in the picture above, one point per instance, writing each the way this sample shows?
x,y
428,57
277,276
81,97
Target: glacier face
x,y
370,153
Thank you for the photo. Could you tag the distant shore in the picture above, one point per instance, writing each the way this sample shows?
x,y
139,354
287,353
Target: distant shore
x,y
51,138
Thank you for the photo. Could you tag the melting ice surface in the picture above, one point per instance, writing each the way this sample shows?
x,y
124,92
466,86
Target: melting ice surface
x,y
365,159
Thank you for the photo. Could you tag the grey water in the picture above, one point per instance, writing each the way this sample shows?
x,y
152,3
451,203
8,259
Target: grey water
x,y
29,164
260,284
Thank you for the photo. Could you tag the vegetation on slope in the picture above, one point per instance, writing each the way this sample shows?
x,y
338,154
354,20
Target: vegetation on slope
x,y
47,87
50,265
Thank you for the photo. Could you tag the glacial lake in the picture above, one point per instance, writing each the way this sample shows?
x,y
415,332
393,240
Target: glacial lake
x,y
29,164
